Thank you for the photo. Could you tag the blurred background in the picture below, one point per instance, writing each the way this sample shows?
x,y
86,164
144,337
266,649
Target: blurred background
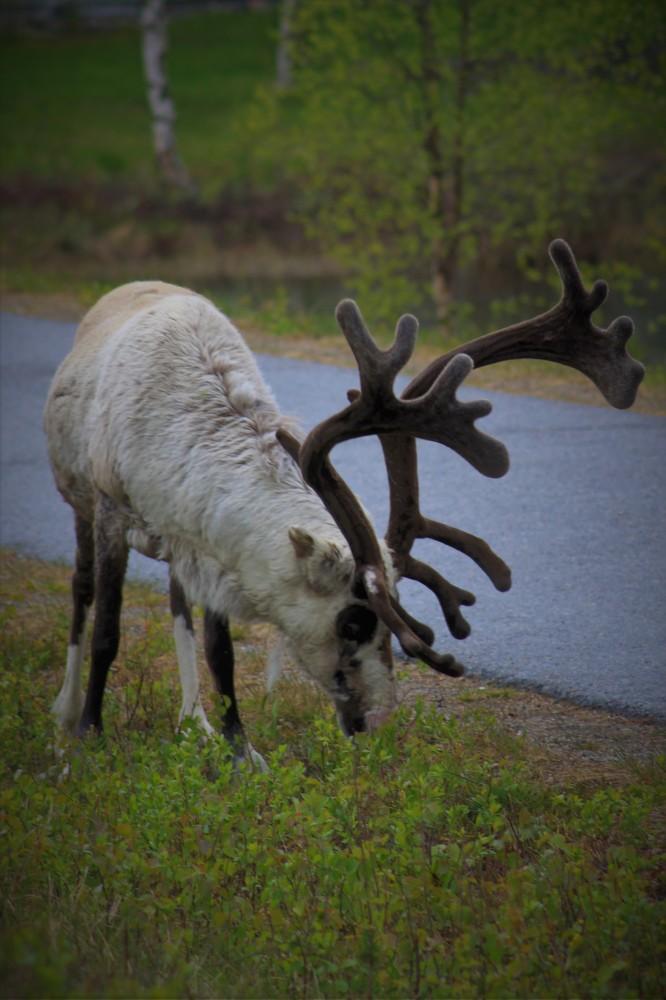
x,y
417,154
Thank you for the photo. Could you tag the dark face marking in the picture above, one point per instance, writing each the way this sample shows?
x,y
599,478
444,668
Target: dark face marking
x,y
356,624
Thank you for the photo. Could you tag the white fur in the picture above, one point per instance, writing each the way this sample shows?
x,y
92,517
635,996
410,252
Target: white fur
x,y
161,408
186,652
275,664
68,705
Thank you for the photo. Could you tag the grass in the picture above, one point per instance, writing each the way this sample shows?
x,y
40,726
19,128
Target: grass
x,y
73,105
429,860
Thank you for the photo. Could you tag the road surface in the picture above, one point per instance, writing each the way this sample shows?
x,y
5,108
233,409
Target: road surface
x,y
580,518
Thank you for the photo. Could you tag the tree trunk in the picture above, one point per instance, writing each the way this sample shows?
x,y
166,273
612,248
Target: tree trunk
x,y
283,61
170,165
445,187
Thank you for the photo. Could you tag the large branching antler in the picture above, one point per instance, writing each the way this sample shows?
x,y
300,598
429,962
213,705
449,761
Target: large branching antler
x,y
429,409
564,334
438,415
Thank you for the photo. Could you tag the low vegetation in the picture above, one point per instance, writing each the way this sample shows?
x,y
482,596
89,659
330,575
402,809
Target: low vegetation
x,y
434,859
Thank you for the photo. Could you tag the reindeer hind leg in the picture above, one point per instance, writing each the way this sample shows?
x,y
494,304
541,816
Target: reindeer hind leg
x,y
68,705
111,552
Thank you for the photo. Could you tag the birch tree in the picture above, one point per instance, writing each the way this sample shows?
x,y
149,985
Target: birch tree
x,y
283,61
155,43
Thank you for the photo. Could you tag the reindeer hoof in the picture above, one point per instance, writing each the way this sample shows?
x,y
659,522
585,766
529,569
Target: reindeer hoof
x,y
250,758
66,710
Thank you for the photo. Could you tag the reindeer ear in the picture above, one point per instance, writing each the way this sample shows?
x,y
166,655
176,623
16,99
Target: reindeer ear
x,y
323,563
303,542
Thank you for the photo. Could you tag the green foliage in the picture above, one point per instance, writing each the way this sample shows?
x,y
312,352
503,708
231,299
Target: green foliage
x,y
533,120
427,860
549,118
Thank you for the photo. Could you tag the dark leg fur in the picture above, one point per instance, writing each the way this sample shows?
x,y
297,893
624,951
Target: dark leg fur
x,y
83,580
178,602
110,564
220,659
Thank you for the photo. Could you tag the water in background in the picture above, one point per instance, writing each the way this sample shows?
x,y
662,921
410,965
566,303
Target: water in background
x,y
485,308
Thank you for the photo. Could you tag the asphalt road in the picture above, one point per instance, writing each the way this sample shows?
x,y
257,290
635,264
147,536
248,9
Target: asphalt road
x,y
580,518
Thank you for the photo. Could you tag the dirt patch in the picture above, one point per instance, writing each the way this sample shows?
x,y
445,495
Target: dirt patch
x,y
569,742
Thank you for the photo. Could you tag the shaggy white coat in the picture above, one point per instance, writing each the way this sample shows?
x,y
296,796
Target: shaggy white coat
x,y
161,408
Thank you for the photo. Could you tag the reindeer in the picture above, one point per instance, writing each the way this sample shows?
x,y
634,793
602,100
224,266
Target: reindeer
x,y
163,437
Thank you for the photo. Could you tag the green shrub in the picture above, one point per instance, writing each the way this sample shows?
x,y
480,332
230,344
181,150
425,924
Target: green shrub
x,y
427,860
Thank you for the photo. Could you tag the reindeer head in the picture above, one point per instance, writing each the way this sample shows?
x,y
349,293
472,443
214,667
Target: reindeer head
x,y
336,636
361,681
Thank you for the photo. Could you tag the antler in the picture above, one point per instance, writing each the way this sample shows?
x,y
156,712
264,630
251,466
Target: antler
x,y
429,409
406,524
438,415
564,334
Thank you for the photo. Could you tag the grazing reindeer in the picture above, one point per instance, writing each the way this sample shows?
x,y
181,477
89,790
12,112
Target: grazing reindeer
x,y
164,437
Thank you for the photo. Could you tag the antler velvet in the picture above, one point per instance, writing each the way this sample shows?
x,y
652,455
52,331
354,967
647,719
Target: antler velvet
x,y
430,409
438,415
564,334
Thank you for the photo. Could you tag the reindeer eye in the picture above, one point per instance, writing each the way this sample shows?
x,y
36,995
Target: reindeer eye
x,y
356,624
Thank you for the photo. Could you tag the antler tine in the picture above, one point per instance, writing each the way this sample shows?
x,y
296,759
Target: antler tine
x,y
470,545
406,524
377,368
438,416
449,596
414,637
445,419
573,289
564,334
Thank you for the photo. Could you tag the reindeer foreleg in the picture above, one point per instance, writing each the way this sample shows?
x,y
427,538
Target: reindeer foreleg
x,y
183,633
220,659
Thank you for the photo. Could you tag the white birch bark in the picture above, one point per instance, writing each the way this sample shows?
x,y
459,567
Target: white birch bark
x,y
283,76
170,165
